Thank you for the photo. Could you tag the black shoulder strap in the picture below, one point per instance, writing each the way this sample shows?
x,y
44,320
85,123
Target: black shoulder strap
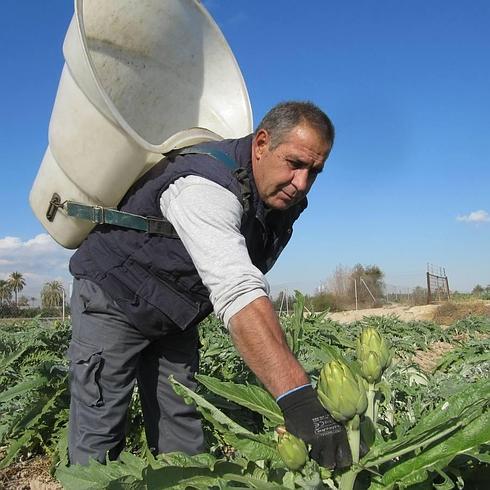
x,y
102,215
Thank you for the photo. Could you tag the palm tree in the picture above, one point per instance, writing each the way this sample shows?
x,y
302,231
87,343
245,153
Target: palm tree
x,y
52,294
17,282
5,291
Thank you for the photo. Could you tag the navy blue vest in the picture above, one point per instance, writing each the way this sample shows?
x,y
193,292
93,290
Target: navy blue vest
x,y
152,277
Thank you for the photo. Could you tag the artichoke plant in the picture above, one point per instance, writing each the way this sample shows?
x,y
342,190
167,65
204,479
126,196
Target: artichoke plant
x,y
374,355
341,392
292,449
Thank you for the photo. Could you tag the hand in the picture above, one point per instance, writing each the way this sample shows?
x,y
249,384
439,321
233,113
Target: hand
x,y
305,417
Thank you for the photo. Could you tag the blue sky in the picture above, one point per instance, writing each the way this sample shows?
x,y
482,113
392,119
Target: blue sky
x,y
407,85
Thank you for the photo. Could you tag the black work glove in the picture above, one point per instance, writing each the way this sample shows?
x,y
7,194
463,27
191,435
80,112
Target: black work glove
x,y
305,417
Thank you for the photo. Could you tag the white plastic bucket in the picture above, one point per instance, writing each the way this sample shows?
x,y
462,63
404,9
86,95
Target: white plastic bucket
x,y
141,77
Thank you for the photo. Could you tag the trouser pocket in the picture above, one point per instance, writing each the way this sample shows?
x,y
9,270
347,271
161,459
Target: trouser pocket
x,y
86,363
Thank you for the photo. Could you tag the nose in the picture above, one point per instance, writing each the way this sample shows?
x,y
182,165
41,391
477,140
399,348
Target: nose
x,y
301,179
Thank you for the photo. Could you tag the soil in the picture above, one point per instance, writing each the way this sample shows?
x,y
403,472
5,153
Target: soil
x,y
34,473
428,359
31,474
444,313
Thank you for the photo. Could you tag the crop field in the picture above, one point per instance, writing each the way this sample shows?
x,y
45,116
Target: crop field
x,y
422,428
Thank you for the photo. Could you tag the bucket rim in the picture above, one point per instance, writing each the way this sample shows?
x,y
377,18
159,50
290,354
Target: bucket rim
x,y
142,142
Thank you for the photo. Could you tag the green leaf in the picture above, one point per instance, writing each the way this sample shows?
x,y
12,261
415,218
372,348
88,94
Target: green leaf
x,y
253,446
440,455
458,411
16,446
192,476
480,455
209,411
324,354
102,476
252,482
253,397
5,361
203,460
24,387
447,484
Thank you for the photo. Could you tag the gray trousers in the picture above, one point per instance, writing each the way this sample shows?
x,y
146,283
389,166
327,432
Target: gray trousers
x,y
107,356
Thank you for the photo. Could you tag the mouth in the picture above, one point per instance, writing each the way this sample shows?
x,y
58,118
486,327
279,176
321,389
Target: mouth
x,y
289,197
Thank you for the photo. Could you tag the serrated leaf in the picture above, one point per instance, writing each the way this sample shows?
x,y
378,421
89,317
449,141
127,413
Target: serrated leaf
x,y
447,417
254,450
250,396
438,456
326,353
208,410
78,477
24,387
16,446
5,361
252,482
253,446
203,460
134,465
176,478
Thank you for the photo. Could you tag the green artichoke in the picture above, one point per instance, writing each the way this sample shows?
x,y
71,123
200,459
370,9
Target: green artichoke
x,y
292,449
371,340
371,368
341,392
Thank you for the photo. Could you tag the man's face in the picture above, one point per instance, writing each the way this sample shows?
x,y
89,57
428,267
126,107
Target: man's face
x,y
285,175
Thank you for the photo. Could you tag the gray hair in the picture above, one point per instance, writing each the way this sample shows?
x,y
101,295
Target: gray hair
x,y
285,116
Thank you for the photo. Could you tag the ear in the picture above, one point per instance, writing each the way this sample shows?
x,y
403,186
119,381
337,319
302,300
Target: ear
x,y
260,143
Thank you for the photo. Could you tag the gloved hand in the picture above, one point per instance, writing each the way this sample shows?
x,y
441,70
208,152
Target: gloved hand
x,y
305,417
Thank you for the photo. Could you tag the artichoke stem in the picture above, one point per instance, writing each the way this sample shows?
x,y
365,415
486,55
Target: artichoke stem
x,y
347,480
354,437
371,409
390,415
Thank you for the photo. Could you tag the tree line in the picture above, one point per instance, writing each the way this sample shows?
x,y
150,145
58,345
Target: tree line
x,y
52,294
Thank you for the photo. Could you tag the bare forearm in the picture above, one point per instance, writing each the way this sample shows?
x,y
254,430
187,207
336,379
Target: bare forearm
x,y
259,339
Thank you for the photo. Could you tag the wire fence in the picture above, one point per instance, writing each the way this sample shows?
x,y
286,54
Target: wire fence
x,y
437,284
412,296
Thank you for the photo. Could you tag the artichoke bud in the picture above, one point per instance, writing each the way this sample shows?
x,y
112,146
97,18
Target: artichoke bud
x,y
341,392
371,368
371,340
292,449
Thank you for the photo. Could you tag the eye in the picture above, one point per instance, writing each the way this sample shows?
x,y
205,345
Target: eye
x,y
294,164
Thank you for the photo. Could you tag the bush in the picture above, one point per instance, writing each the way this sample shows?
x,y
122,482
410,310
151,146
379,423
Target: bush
x,y
322,302
13,311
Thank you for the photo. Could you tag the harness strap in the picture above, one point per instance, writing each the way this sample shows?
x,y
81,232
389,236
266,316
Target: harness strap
x,y
110,216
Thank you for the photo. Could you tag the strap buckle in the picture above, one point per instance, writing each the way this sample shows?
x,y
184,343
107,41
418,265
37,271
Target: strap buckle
x,y
54,204
98,215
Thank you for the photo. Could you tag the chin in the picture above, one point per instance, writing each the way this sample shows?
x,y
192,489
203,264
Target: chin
x,y
279,204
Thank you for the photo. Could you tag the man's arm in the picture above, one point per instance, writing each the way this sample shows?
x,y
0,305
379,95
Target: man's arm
x,y
259,339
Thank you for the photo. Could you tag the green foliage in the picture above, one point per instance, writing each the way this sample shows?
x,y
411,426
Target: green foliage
x,y
432,427
33,382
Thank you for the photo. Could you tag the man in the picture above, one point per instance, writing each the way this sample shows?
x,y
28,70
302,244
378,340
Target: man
x,y
139,297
